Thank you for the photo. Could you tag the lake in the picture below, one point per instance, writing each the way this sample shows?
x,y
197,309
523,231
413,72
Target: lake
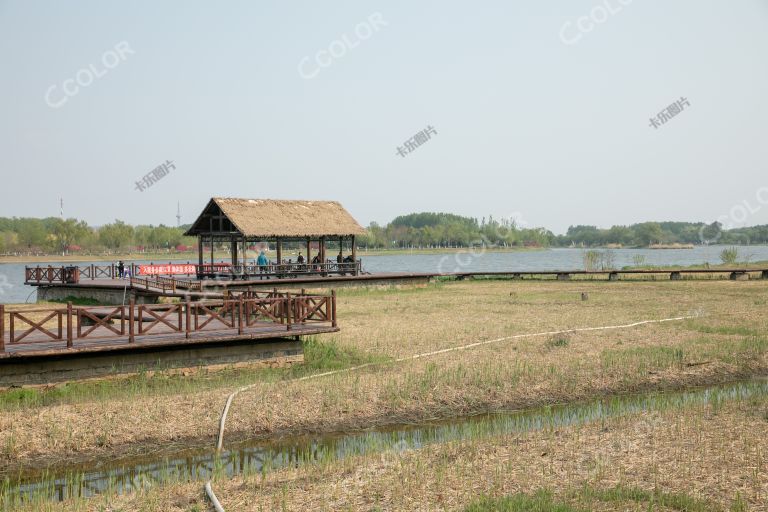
x,y
13,290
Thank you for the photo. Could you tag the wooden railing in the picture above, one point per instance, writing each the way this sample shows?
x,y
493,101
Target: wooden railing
x,y
76,274
279,269
234,315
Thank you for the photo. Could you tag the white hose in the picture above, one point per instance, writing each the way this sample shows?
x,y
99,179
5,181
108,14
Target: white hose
x,y
212,496
220,439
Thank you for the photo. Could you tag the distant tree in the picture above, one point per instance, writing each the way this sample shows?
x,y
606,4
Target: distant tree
x,y
31,232
116,235
68,232
711,233
649,233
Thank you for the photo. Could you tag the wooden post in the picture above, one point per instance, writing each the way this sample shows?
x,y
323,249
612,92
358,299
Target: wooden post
x,y
187,318
288,305
131,320
93,272
69,325
240,315
333,308
200,250
2,327
233,250
279,249
322,255
210,239
354,254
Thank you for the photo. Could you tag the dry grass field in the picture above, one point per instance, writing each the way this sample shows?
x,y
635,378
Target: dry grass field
x,y
703,458
725,340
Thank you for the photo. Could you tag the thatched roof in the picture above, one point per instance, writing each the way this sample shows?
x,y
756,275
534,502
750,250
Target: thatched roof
x,y
268,218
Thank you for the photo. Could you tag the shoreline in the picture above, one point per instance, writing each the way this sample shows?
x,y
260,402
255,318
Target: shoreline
x,y
190,257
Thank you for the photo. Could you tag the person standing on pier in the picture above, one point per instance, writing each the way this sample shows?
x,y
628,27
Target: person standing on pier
x,y
262,261
120,269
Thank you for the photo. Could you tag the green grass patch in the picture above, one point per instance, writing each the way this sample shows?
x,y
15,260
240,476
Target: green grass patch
x,y
728,330
77,301
323,356
542,501
642,359
584,500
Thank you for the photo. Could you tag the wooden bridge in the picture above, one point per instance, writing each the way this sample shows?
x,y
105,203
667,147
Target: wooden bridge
x,y
247,316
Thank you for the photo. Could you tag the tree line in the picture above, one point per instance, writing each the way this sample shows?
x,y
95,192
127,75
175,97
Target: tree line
x,y
55,235
417,230
432,230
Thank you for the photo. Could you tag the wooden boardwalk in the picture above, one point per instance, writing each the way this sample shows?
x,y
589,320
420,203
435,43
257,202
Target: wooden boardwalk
x,y
253,316
38,346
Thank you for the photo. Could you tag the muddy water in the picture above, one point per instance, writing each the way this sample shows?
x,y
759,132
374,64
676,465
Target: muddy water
x,y
252,457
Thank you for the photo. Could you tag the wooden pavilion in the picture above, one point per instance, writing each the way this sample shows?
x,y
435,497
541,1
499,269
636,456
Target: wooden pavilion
x,y
241,222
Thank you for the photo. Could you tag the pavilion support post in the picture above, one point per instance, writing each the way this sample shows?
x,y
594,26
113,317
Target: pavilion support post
x,y
322,253
309,250
210,239
279,249
200,250
2,328
354,254
233,250
245,253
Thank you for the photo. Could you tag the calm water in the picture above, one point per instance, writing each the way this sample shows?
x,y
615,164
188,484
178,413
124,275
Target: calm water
x,y
12,289
254,457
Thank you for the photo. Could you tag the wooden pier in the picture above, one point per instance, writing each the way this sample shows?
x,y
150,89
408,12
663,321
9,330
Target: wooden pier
x,y
77,329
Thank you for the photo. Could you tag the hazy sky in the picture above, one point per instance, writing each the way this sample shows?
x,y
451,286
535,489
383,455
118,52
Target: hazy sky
x,y
542,109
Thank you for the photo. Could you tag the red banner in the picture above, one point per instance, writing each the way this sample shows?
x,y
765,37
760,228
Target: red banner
x,y
153,270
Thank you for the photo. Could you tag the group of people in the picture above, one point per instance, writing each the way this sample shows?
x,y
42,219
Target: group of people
x,y
263,261
122,272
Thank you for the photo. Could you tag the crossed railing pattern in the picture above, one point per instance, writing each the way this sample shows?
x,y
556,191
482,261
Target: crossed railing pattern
x,y
165,284
280,269
234,314
74,274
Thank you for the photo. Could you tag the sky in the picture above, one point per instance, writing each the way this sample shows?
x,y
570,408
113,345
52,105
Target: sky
x,y
541,111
